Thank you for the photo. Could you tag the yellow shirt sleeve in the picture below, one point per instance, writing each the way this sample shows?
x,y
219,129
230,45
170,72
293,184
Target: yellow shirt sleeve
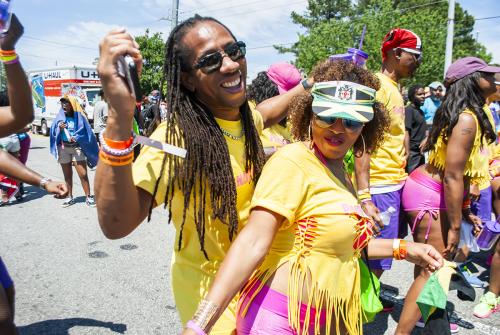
x,y
281,188
146,169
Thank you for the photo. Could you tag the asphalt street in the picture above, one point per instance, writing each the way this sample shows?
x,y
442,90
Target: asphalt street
x,y
70,279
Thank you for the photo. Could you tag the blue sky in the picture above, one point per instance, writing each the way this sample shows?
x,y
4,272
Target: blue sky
x,y
56,32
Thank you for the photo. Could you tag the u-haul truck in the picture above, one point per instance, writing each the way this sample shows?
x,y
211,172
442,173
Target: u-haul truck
x,y
49,85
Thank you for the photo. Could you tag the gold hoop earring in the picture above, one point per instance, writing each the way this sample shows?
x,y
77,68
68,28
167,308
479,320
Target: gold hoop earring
x,y
357,155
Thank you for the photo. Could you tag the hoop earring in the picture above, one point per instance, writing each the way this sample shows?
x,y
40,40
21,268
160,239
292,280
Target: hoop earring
x,y
357,155
311,144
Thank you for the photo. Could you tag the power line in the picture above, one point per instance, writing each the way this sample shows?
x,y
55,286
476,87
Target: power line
x,y
259,10
220,8
59,43
487,18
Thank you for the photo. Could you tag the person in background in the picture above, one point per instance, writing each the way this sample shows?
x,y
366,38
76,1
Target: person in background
x,y
380,175
459,134
100,115
72,141
432,103
427,91
489,303
416,128
9,187
278,79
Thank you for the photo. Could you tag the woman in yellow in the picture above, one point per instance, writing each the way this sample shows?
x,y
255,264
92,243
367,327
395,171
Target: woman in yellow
x,y
458,143
306,228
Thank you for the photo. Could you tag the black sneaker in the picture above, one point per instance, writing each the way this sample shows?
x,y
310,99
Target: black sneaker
x,y
387,305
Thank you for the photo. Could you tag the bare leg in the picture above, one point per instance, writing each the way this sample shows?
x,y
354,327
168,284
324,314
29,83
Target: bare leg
x,y
81,169
68,177
439,229
495,271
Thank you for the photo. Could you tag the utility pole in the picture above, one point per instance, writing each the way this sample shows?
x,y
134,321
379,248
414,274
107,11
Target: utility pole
x,y
175,13
449,35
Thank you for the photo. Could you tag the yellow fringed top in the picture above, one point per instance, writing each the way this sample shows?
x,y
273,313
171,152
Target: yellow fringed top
x,y
476,166
321,238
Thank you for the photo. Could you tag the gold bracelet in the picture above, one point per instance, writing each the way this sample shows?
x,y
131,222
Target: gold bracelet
x,y
204,314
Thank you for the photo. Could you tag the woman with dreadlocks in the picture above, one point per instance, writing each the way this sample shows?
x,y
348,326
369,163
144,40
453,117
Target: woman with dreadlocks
x,y
208,193
296,260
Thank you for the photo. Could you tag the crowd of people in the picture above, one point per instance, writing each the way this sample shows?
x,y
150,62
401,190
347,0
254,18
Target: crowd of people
x,y
274,234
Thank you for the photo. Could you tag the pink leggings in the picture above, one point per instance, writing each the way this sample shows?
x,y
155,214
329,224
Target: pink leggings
x,y
423,194
268,314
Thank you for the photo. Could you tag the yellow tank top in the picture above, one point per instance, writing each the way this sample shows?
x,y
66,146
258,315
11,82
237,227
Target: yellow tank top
x,y
477,164
321,238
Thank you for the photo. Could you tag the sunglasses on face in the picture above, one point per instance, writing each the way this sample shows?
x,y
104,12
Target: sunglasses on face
x,y
416,54
213,62
328,121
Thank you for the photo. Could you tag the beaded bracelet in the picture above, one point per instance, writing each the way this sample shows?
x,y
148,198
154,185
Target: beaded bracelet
x,y
204,314
110,150
115,160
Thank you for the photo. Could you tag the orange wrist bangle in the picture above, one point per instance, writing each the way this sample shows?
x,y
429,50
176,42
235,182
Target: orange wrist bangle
x,y
115,160
466,203
402,250
120,145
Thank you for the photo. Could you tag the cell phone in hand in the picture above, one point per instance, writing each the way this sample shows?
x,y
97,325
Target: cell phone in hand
x,y
128,71
5,15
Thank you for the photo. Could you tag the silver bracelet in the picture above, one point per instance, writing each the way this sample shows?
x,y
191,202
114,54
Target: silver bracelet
x,y
43,183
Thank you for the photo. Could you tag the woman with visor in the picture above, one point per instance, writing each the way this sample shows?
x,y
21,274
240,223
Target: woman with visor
x,y
296,260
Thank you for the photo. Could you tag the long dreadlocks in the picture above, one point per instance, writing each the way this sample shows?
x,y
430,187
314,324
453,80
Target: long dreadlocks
x,y
207,164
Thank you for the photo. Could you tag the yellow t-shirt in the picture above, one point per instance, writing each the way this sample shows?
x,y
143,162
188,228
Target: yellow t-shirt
x,y
387,164
492,150
477,164
322,234
192,274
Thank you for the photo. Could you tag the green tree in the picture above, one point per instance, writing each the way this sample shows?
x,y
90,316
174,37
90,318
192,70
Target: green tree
x,y
326,35
151,47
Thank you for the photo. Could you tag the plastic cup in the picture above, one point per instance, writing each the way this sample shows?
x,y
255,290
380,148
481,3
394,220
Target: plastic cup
x,y
489,235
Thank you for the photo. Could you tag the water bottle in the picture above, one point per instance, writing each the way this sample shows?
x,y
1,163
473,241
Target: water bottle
x,y
386,216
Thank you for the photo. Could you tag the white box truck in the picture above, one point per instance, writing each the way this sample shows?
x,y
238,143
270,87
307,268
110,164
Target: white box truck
x,y
49,85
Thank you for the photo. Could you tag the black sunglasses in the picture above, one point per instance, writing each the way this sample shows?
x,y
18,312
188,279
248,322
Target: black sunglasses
x,y
328,121
213,62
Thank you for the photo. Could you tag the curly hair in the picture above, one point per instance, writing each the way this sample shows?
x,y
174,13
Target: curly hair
x,y
460,95
262,88
300,112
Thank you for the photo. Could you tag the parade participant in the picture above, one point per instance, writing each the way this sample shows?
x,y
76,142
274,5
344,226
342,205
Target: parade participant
x,y
416,128
306,228
208,192
433,101
100,115
490,301
7,296
461,130
278,79
381,175
72,141
20,112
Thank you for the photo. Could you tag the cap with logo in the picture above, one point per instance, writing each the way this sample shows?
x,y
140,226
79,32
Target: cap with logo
x,y
343,99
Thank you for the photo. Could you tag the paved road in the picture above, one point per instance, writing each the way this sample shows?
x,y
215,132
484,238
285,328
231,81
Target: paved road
x,y
71,280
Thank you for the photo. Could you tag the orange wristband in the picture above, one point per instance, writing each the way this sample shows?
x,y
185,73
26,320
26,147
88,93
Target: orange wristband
x,y
120,145
402,250
116,160
466,203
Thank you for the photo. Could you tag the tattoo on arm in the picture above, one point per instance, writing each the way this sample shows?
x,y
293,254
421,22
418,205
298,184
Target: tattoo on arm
x,y
467,131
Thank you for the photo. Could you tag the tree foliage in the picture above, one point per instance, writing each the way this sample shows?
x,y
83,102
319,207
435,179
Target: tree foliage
x,y
332,26
151,47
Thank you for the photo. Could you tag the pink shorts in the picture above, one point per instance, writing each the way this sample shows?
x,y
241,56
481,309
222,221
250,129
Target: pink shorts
x,y
268,314
423,194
